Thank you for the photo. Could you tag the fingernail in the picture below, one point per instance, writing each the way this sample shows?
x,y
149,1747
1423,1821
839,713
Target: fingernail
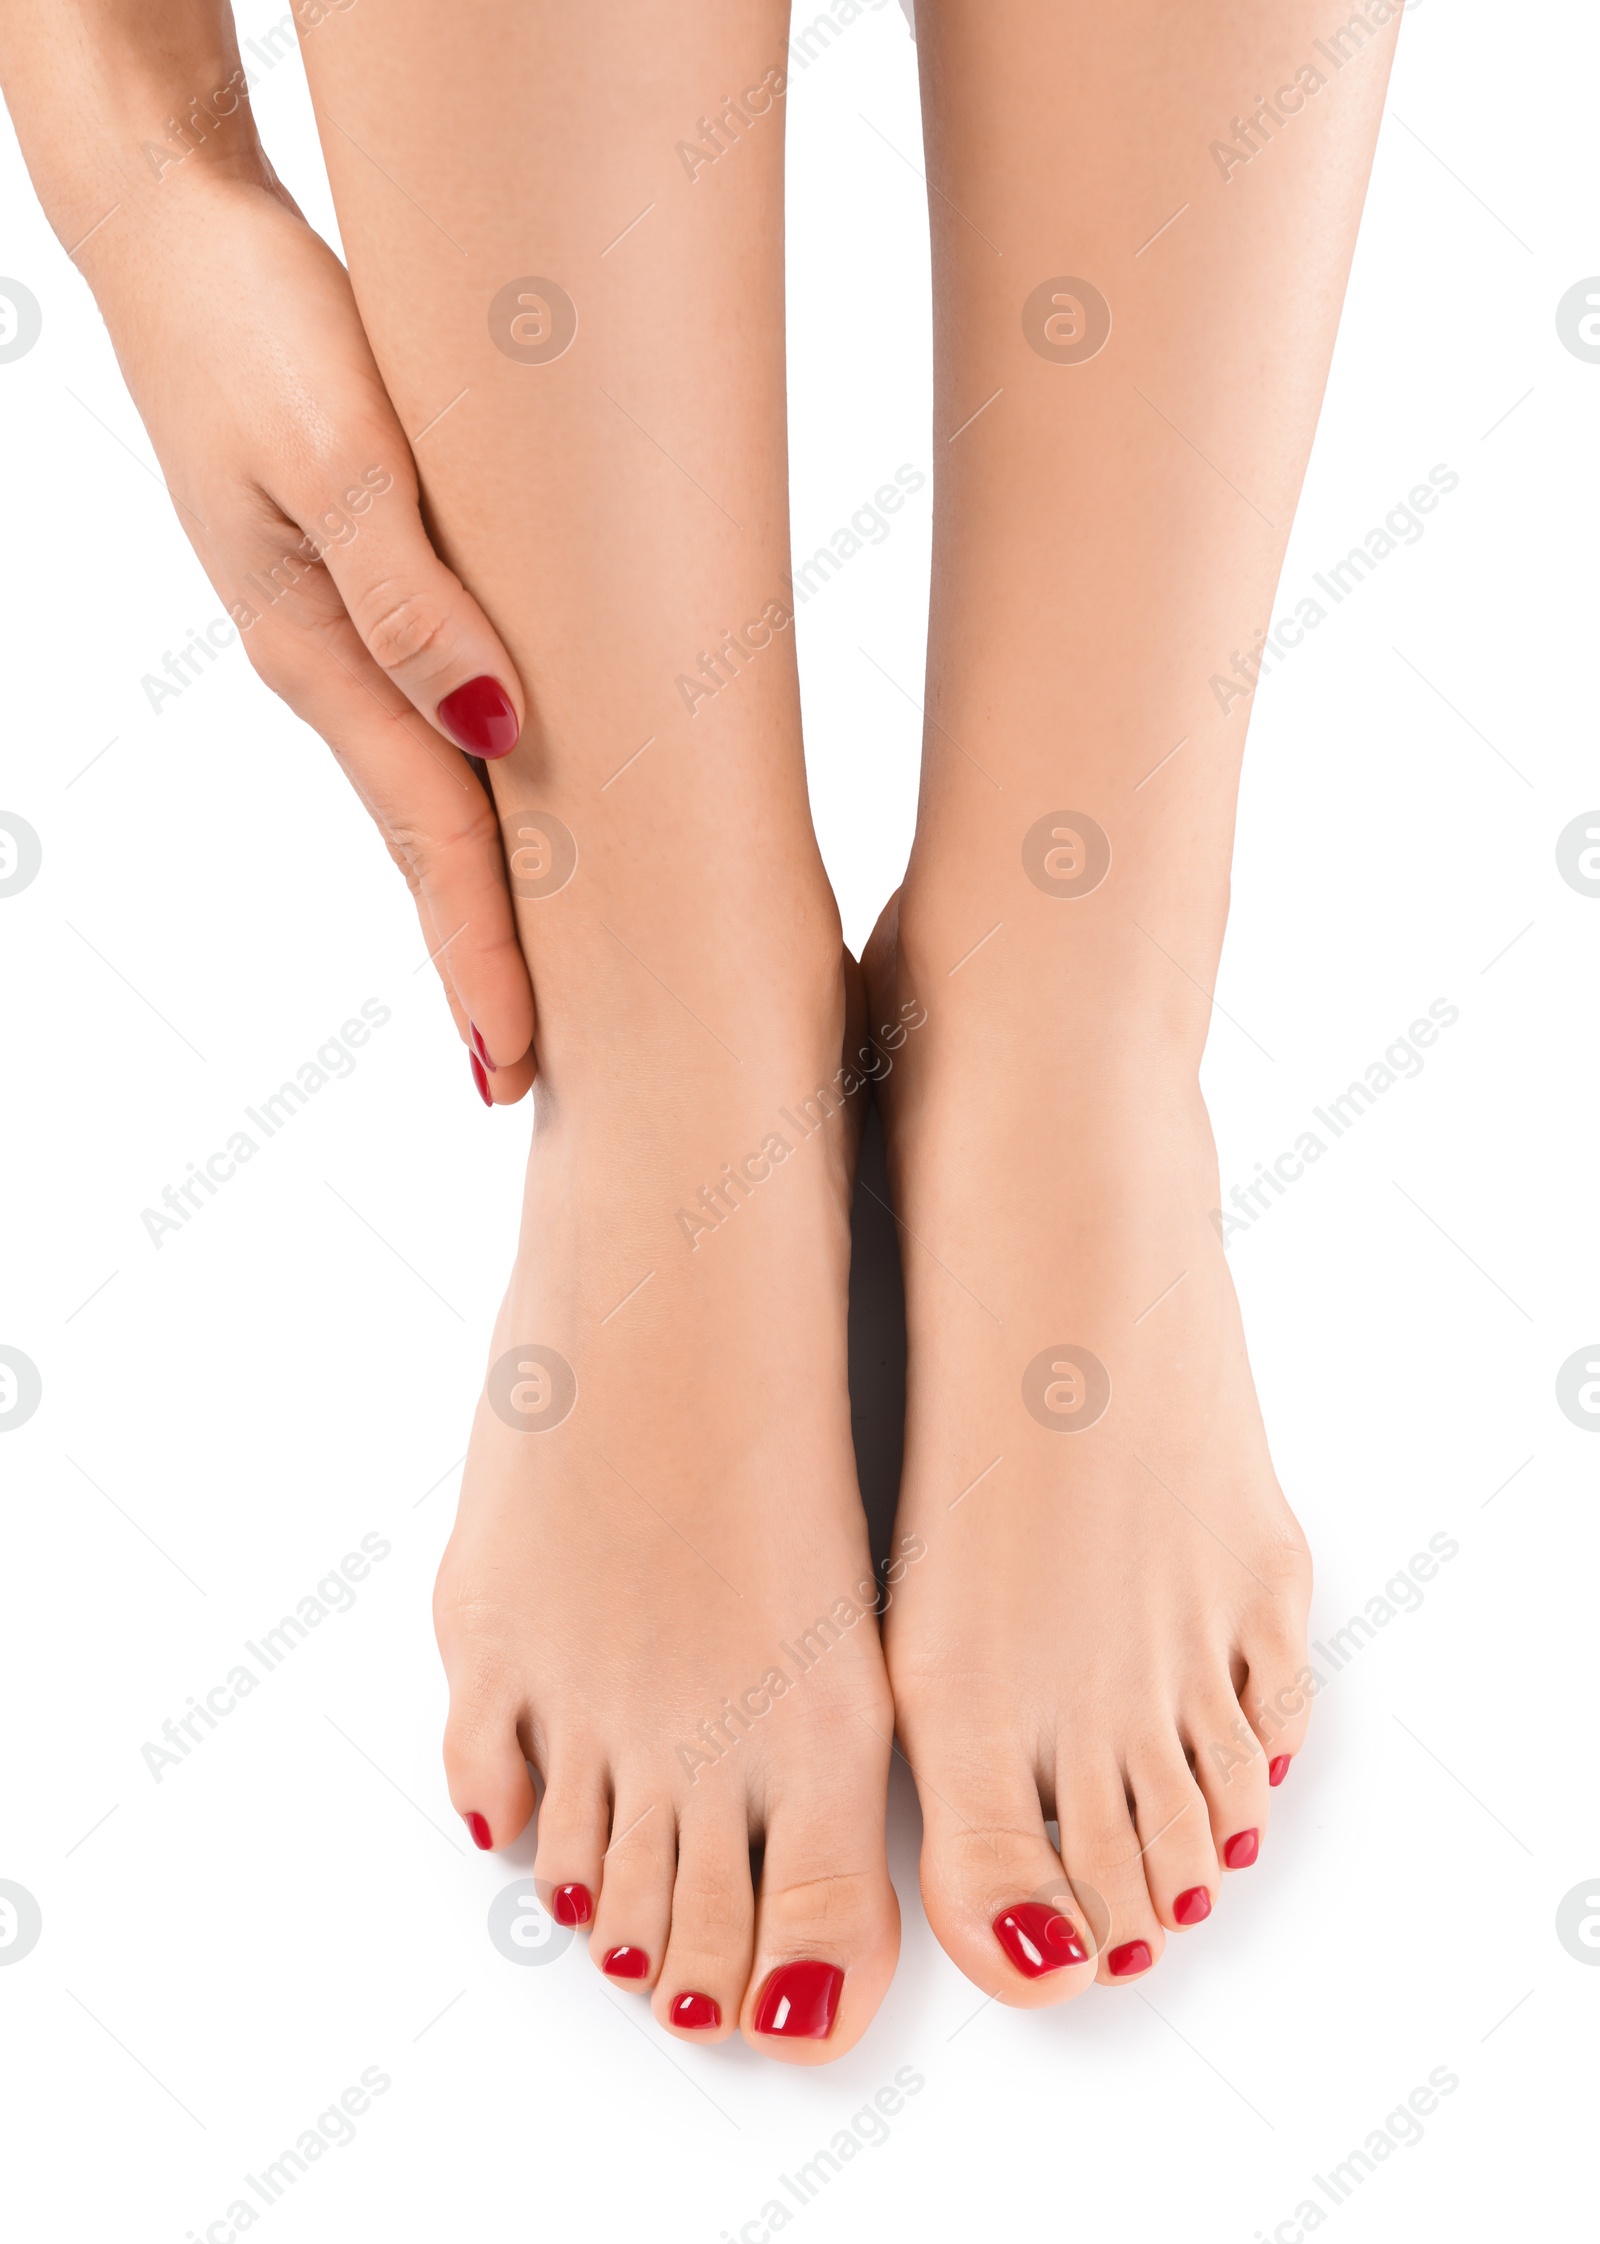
x,y
1193,1907
572,1905
482,1049
1241,1850
480,1079
800,2001
479,717
1132,1956
696,2013
626,1963
1038,1938
1278,1769
480,1831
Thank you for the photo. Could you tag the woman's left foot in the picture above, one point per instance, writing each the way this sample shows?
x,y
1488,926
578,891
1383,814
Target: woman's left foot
x,y
1108,1627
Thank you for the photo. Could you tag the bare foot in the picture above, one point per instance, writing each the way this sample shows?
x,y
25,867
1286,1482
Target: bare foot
x,y
658,1589
1109,1626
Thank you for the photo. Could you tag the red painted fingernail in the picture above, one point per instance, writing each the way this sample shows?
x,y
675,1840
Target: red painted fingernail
x,y
1241,1850
696,2012
479,1829
1278,1769
572,1905
480,1079
1132,1956
800,2001
482,1049
1038,1938
479,717
626,1963
1192,1907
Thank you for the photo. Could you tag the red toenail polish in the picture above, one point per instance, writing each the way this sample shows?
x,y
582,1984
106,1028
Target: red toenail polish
x,y
1278,1769
482,1049
1132,1956
1241,1850
572,1905
479,717
1038,1938
626,1963
479,1829
799,2001
1192,1907
480,1079
696,2013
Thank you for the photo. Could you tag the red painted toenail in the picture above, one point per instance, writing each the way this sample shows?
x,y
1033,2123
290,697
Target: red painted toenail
x,y
696,2012
800,2001
626,1963
479,1829
1192,1907
1241,1850
1038,1938
480,1079
1278,1769
480,718
572,1905
1132,1956
482,1049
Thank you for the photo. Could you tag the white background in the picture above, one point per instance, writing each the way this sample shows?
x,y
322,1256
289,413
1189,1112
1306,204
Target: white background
x,y
223,1953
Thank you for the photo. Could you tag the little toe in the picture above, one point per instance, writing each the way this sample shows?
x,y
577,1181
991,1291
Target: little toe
x,y
706,1967
1276,1696
487,1776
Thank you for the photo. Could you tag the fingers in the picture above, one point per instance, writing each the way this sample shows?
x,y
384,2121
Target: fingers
x,y
418,622
434,813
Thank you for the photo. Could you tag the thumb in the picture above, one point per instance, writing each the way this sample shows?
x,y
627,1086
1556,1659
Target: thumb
x,y
418,621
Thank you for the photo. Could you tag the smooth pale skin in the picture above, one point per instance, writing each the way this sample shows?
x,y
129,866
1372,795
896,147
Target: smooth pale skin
x,y
1105,1628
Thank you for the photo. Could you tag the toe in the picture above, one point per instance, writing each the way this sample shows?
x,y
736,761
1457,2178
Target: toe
x,y
635,1905
1181,1872
487,1776
1276,1696
827,1927
574,1818
1231,1770
706,1967
993,1886
1100,1849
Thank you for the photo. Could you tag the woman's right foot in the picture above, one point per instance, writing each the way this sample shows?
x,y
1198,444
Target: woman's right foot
x,y
659,1589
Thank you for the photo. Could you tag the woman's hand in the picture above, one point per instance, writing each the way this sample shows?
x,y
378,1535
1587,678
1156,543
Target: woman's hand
x,y
238,335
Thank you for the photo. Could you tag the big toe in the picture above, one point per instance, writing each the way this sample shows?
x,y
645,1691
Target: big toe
x,y
999,1902
827,1931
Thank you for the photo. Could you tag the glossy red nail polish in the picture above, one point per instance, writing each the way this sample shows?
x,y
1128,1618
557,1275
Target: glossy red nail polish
x,y
481,1080
482,1049
1038,1938
572,1905
479,717
479,1829
800,2001
1192,1907
626,1963
1132,1956
696,2013
1278,1769
1241,1850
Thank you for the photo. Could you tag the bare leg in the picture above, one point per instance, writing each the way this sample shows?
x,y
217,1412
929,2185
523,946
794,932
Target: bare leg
x,y
633,1591
1109,1626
